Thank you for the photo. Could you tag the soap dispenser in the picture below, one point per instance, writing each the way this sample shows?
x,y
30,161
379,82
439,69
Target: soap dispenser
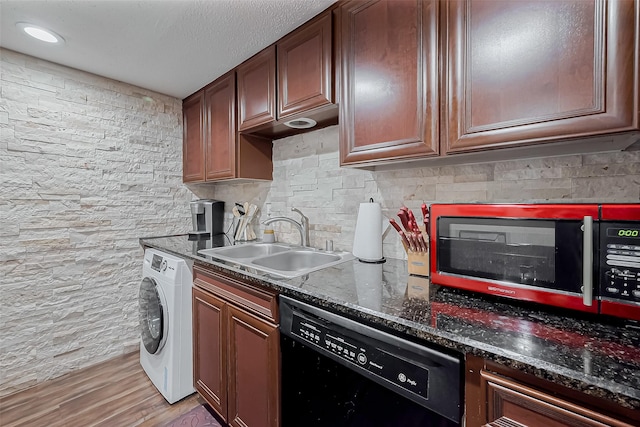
x,y
268,236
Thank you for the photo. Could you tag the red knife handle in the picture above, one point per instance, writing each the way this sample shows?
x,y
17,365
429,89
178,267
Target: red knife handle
x,y
413,245
395,225
412,221
425,217
416,239
423,243
404,218
405,241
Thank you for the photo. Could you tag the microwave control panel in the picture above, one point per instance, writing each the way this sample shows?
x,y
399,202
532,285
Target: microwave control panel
x,y
620,261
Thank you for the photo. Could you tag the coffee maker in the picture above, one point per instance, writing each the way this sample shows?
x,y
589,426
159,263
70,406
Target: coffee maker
x,y
207,216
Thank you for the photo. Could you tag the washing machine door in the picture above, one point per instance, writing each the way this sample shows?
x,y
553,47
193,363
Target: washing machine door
x,y
154,319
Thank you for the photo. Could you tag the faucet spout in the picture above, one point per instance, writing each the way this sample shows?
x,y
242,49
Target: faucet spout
x,y
302,226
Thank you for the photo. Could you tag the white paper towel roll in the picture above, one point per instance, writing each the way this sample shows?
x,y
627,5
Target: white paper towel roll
x,y
367,241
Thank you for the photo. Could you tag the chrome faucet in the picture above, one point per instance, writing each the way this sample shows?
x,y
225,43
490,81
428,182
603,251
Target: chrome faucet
x,y
302,226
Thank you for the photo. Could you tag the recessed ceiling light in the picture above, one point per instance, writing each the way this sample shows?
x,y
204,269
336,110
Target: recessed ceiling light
x,y
40,33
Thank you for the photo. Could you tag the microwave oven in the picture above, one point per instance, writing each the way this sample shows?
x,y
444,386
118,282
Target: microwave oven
x,y
579,256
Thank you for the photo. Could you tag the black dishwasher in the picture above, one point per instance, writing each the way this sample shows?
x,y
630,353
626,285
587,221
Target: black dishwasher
x,y
341,373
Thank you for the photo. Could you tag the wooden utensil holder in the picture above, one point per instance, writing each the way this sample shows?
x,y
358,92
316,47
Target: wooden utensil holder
x,y
418,263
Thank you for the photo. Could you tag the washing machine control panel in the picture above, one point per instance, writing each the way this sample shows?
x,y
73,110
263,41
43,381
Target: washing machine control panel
x,y
166,266
157,263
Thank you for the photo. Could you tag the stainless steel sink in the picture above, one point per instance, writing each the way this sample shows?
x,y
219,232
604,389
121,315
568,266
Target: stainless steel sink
x,y
296,260
278,258
247,251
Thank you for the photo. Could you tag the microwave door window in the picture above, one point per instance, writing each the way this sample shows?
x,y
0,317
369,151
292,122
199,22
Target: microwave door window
x,y
525,252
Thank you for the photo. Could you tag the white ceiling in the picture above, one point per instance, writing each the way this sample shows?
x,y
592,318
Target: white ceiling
x,y
173,47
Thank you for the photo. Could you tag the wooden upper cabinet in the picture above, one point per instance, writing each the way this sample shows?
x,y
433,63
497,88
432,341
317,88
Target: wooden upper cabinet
x,y
389,63
213,149
305,67
524,72
220,102
193,145
290,80
257,89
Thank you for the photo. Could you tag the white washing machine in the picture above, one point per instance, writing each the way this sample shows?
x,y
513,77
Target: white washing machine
x,y
165,323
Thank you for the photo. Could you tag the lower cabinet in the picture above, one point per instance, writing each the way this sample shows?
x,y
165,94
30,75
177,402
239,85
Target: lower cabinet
x,y
209,359
497,396
236,350
509,401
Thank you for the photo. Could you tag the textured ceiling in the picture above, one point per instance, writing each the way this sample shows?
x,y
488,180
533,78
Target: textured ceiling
x,y
173,47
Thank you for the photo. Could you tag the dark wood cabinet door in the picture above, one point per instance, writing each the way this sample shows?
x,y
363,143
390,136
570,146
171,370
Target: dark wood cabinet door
x,y
193,147
220,102
389,94
257,89
305,67
531,71
254,371
209,349
510,403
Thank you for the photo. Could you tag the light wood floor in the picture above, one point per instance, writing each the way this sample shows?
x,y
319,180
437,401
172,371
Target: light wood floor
x,y
116,393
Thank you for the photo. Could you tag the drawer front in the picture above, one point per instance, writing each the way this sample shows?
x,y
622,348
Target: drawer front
x,y
251,298
513,404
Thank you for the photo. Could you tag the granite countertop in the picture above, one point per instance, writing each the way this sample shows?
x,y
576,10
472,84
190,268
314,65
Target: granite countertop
x,y
597,356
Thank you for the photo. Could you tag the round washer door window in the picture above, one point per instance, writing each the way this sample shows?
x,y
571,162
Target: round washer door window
x,y
153,316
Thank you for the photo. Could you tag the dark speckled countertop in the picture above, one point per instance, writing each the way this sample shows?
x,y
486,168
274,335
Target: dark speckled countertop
x,y
599,357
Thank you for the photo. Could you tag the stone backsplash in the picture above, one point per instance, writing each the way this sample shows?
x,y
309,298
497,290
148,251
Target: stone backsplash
x,y
307,176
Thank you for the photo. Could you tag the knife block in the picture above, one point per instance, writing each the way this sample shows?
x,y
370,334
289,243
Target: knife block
x,y
418,263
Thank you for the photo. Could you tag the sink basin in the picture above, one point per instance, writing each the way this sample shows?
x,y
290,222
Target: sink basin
x,y
247,251
296,260
279,259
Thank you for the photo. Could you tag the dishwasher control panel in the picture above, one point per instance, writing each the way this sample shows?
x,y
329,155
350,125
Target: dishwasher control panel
x,y
368,356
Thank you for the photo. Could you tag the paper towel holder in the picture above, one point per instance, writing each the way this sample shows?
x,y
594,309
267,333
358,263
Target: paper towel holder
x,y
378,261
357,252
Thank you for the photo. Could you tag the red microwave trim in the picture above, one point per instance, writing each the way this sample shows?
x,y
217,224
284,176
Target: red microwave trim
x,y
621,212
541,296
619,309
518,211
